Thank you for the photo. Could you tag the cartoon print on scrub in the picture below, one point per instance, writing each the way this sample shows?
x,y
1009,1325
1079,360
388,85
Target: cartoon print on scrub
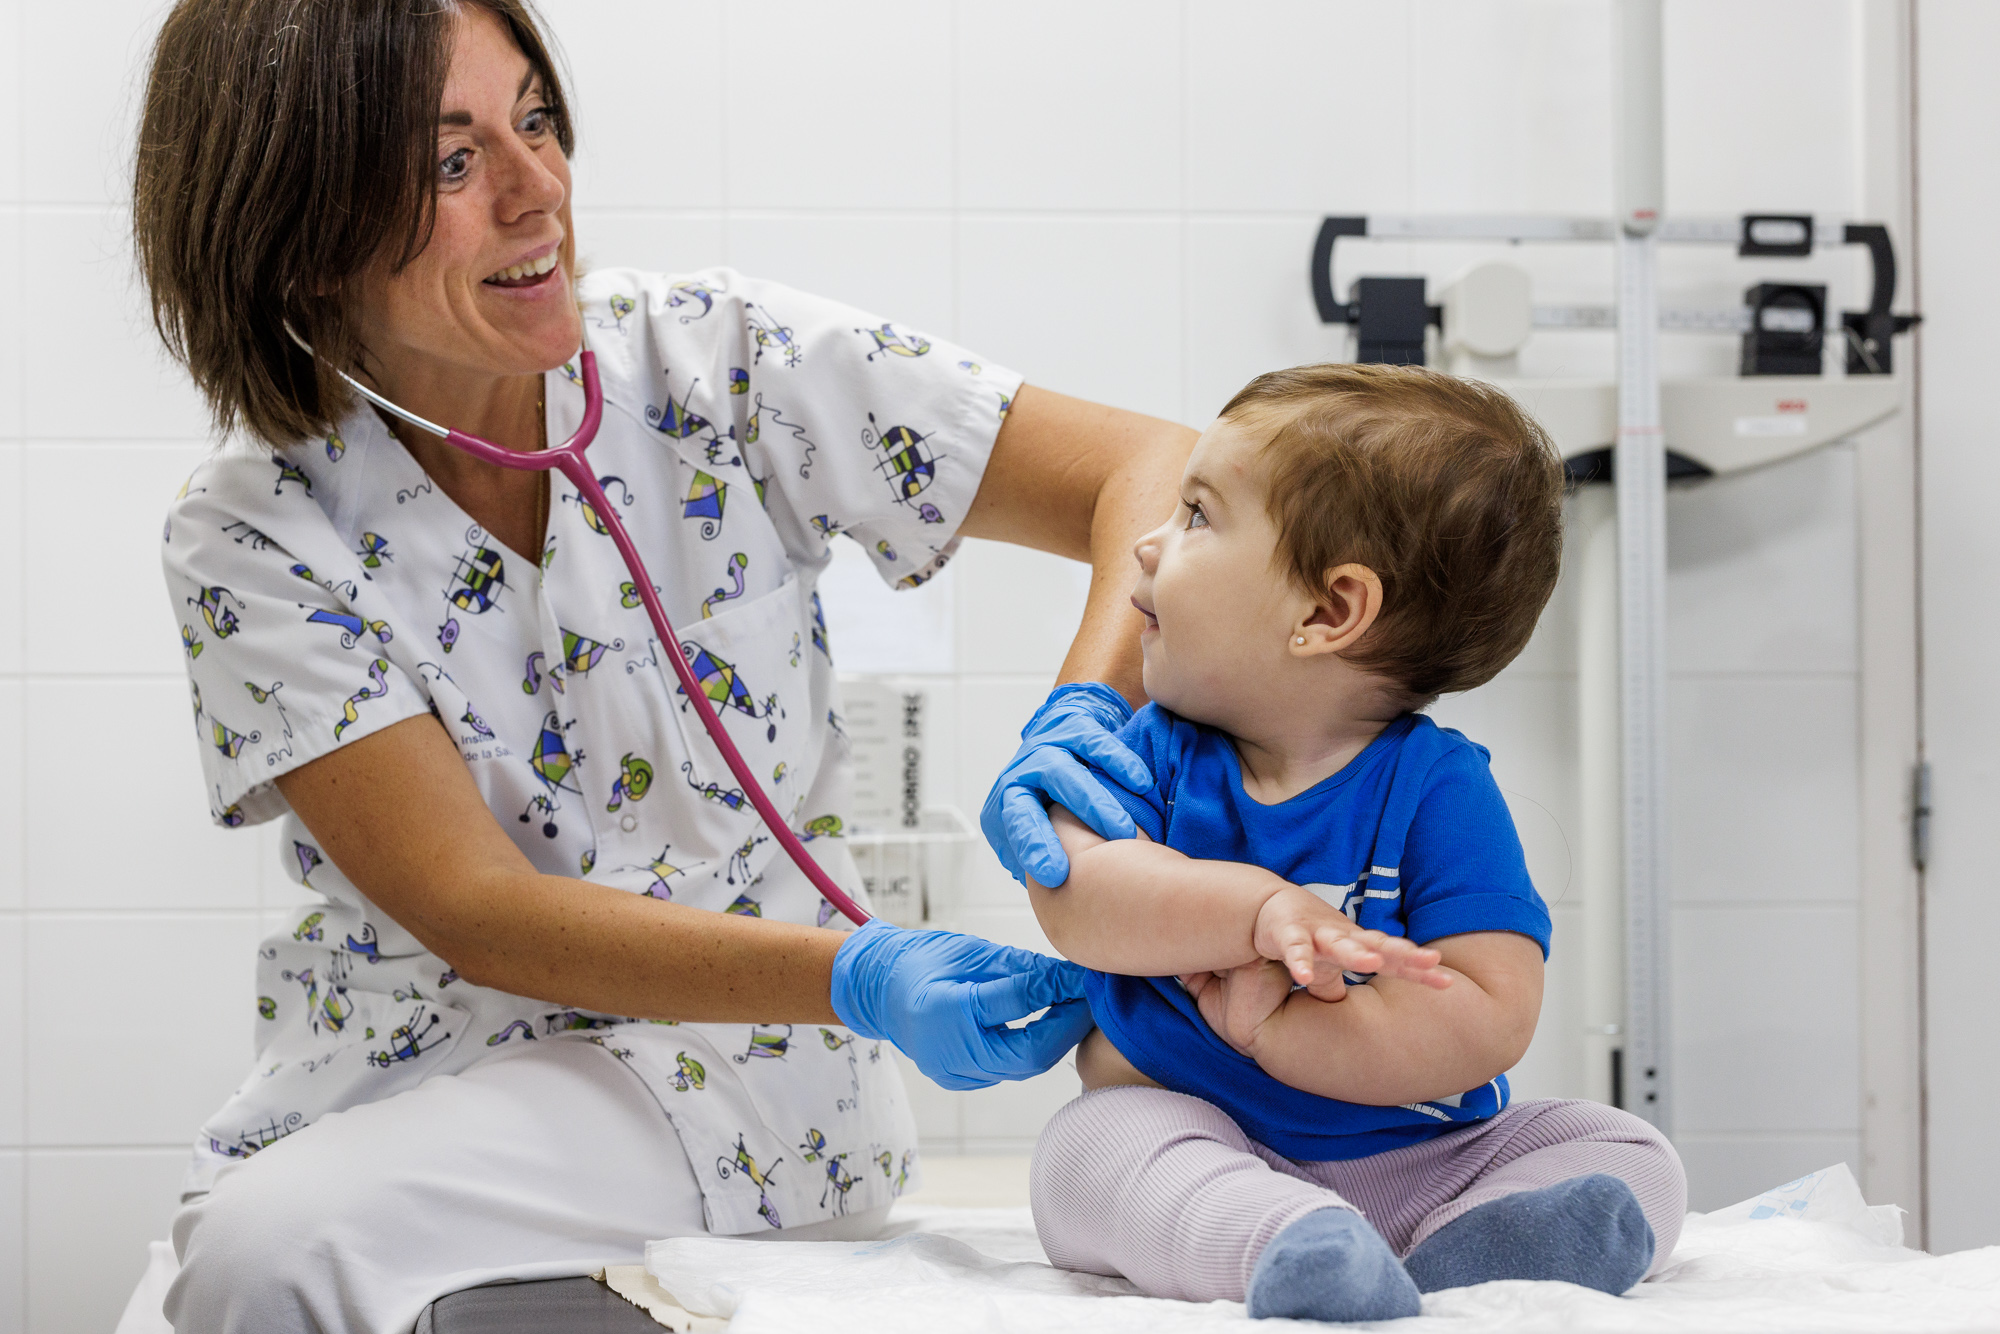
x,y
819,627
737,564
891,341
753,434
745,906
731,797
620,306
327,1010
250,1142
478,725
532,677
351,627
662,871
739,869
374,549
581,653
378,676
310,928
309,860
228,740
771,335
268,696
591,518
719,681
213,603
745,1165
767,1042
739,380
407,1040
479,577
691,292
247,534
706,498
190,642
335,447
340,588
678,421
553,764
689,1074
368,947
838,1181
908,462
635,779
289,473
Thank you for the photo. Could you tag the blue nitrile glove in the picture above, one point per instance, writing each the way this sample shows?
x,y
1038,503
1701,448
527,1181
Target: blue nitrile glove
x,y
945,1000
1075,723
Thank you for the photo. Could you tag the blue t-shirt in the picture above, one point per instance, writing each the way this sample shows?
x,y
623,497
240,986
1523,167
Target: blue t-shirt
x,y
1411,838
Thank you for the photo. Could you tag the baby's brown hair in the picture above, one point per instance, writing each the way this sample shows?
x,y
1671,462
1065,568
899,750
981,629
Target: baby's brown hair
x,y
1442,486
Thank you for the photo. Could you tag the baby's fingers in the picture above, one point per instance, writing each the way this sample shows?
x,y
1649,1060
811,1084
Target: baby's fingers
x,y
1347,948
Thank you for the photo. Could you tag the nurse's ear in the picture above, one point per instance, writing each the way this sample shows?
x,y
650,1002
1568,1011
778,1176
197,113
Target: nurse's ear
x,y
1347,608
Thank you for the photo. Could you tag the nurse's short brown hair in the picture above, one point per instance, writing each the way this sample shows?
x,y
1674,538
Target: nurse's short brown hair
x,y
1443,486
284,146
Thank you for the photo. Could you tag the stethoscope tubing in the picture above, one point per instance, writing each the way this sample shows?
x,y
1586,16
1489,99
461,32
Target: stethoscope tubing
x,y
569,459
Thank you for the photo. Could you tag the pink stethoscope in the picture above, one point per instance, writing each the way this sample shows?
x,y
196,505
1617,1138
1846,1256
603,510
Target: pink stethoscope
x,y
568,459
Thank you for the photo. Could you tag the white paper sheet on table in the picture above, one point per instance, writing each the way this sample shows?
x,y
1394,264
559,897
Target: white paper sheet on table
x,y
1809,1255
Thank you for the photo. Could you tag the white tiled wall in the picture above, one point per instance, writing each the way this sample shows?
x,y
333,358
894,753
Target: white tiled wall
x,y
1116,197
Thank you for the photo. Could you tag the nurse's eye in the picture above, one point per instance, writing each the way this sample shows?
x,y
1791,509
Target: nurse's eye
x,y
455,166
538,122
1196,518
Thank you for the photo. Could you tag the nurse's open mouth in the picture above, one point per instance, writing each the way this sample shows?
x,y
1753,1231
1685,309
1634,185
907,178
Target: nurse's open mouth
x,y
532,274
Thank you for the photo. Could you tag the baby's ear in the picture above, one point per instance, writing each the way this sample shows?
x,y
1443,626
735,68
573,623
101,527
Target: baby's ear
x,y
1349,605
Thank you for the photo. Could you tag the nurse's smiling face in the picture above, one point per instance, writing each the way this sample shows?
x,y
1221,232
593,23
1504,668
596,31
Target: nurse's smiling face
x,y
492,293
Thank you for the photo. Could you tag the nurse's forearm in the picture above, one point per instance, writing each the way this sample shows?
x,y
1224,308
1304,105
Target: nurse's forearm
x,y
399,814
591,947
1084,481
1132,501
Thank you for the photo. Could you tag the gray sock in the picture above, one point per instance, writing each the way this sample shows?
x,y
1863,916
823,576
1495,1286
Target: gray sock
x,y
1587,1230
1330,1265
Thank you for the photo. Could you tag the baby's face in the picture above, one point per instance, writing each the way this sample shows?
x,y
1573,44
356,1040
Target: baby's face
x,y
1219,607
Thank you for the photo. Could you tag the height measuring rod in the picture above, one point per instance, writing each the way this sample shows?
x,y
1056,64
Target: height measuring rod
x,y
1639,466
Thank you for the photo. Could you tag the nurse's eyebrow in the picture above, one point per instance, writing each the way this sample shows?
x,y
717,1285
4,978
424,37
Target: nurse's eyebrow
x,y
465,117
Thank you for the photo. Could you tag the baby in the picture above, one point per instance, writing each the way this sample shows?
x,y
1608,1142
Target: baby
x,y
1323,950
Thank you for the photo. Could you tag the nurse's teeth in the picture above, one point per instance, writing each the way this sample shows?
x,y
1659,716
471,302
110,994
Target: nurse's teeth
x,y
532,269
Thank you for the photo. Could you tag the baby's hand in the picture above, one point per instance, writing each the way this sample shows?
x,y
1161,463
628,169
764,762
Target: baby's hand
x,y
1236,1002
1316,943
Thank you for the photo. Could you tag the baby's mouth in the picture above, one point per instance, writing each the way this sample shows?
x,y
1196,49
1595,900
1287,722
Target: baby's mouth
x,y
532,274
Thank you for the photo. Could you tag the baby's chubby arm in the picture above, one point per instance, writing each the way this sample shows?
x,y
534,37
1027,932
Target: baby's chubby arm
x,y
1393,1041
1140,908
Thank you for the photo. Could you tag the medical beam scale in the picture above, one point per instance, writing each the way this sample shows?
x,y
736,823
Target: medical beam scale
x,y
1636,433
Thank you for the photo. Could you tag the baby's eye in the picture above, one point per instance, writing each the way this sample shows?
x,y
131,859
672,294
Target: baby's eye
x,y
1196,519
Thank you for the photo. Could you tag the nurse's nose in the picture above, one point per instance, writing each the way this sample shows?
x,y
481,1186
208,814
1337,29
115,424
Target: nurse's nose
x,y
527,184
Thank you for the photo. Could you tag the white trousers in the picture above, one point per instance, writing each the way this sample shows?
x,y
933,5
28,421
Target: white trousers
x,y
549,1160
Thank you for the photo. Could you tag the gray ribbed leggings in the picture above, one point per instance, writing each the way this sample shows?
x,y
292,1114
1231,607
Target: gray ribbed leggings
x,y
1168,1191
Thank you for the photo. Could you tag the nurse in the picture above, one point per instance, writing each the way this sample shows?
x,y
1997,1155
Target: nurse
x,y
557,993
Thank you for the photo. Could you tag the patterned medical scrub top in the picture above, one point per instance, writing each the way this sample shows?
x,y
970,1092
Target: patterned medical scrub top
x,y
331,589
